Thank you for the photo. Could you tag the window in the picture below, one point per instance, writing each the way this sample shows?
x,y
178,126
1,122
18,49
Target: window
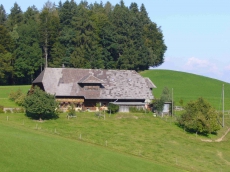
x,y
91,88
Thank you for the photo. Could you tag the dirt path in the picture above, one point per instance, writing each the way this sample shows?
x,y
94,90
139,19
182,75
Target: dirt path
x,y
217,140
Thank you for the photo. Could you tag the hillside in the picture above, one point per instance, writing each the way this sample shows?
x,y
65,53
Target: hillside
x,y
189,87
121,142
25,148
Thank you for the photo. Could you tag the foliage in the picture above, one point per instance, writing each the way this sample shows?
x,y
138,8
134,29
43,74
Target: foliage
x,y
40,105
138,110
18,110
71,110
18,97
112,108
77,35
158,104
1,109
199,117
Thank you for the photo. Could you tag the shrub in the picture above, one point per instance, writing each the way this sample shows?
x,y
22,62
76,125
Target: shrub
x,y
40,105
199,117
18,110
71,110
113,108
14,95
2,109
18,97
20,100
137,110
8,111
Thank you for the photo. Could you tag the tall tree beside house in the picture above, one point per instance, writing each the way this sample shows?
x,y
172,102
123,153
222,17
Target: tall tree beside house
x,y
87,39
67,11
28,52
48,29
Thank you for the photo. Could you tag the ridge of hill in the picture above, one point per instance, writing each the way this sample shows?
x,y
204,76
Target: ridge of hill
x,y
188,87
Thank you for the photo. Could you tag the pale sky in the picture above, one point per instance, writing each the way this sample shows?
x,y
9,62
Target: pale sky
x,y
196,32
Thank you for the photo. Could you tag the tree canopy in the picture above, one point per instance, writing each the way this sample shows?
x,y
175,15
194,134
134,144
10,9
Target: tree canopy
x,y
40,105
80,35
199,117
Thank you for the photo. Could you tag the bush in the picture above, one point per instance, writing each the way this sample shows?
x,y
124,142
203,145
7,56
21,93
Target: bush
x,y
113,108
20,100
2,109
18,97
71,110
199,117
18,110
158,105
14,95
40,105
8,111
137,110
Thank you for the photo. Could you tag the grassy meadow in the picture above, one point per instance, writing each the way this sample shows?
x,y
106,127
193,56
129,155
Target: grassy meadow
x,y
53,145
142,141
189,87
6,90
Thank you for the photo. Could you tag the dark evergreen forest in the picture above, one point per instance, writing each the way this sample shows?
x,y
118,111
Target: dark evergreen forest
x,y
77,35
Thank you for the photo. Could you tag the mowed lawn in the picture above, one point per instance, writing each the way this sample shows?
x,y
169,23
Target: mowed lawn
x,y
189,87
25,149
6,90
121,142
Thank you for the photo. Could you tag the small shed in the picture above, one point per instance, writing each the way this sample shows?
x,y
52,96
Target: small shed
x,y
166,108
124,106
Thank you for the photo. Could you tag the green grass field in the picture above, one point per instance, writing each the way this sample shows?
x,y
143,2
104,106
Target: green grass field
x,y
25,148
6,90
189,87
156,143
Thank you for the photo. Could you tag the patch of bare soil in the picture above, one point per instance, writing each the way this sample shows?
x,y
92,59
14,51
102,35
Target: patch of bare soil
x,y
217,140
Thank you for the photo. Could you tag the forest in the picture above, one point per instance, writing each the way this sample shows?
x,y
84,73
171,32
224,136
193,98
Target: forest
x,y
77,35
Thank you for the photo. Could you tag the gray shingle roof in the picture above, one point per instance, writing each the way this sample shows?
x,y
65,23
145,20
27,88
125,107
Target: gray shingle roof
x,y
114,84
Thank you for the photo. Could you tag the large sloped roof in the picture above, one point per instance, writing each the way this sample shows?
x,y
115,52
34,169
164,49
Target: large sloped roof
x,y
114,84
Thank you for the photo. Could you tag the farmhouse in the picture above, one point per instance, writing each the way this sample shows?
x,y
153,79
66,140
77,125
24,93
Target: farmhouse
x,y
87,87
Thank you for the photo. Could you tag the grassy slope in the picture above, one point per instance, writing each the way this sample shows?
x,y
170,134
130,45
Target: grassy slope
x,y
23,149
189,87
6,90
154,139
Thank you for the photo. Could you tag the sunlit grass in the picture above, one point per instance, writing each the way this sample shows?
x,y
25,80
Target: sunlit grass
x,y
155,139
189,87
6,90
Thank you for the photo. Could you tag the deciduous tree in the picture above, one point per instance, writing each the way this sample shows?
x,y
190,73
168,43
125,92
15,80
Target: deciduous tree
x,y
199,117
40,105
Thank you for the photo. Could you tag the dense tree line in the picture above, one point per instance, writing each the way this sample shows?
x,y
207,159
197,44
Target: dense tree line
x,y
77,35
